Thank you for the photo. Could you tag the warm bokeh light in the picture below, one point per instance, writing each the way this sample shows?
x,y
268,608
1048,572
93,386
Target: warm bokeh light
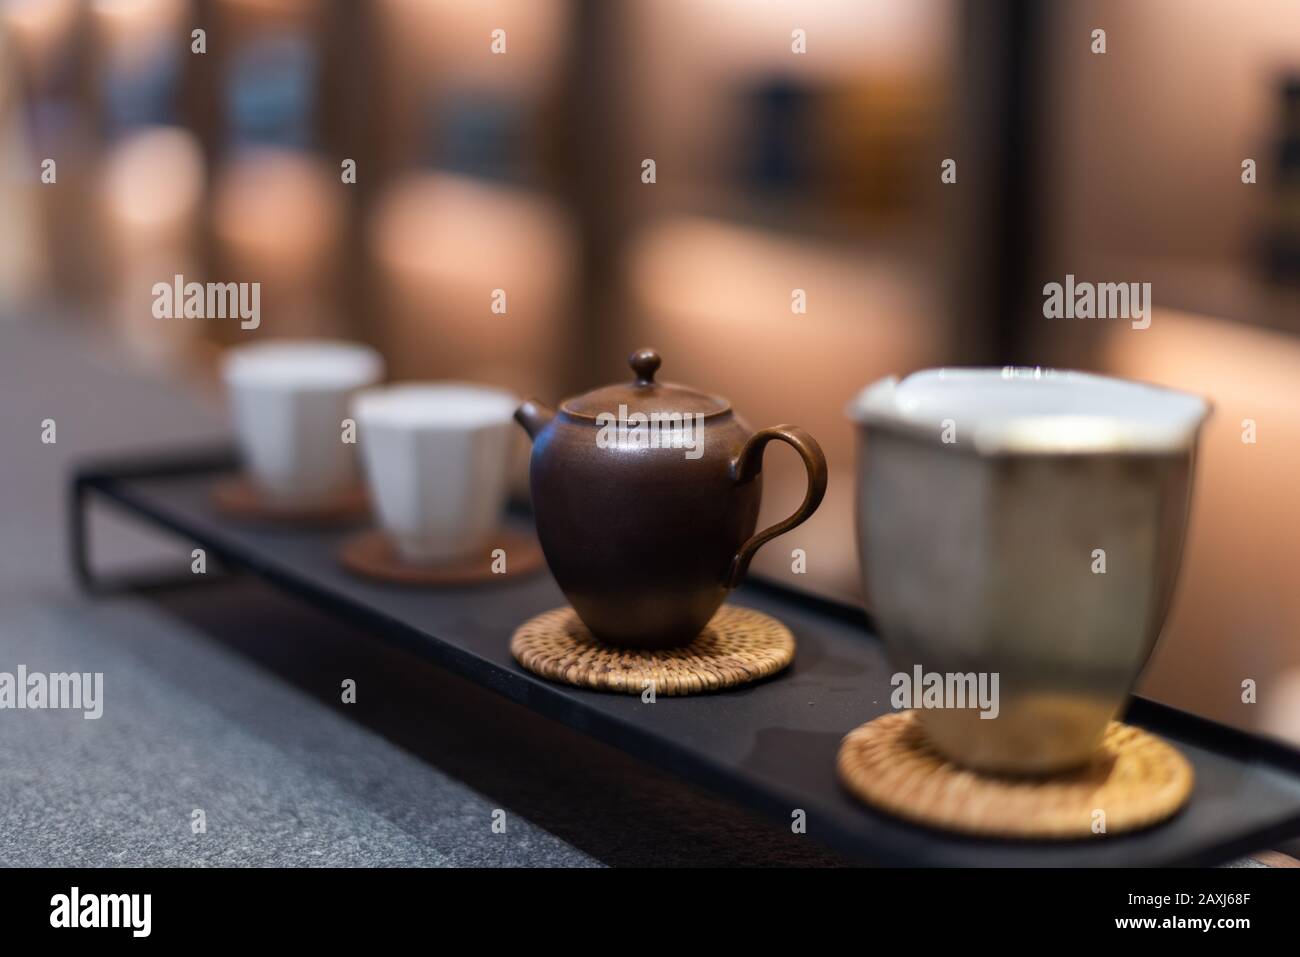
x,y
1237,608
150,198
442,244
40,31
277,215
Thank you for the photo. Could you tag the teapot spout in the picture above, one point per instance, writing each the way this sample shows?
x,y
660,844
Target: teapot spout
x,y
533,416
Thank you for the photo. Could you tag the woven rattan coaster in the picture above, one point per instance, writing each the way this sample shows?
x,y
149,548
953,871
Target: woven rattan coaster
x,y
738,646
1136,779
372,554
237,497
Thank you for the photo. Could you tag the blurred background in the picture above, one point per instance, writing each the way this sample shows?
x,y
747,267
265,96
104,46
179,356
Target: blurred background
x,y
784,161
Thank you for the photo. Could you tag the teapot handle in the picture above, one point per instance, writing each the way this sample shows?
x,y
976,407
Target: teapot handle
x,y
748,464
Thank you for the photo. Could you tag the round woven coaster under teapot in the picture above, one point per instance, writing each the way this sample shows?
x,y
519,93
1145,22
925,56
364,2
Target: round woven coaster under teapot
x,y
738,646
238,497
1136,779
372,554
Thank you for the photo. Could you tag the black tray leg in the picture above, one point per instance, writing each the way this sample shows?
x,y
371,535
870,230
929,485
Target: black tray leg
x,y
79,554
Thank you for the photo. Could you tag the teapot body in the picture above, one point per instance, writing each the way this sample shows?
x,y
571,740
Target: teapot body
x,y
640,539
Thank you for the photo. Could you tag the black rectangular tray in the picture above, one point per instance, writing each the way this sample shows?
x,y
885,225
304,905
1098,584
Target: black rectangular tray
x,y
770,746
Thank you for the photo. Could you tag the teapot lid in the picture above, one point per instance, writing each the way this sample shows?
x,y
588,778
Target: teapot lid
x,y
644,394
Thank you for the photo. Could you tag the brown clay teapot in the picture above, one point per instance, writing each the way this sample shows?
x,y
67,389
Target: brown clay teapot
x,y
646,496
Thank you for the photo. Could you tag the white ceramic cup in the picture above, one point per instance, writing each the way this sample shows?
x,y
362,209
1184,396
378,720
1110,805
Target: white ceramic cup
x,y
288,400
437,457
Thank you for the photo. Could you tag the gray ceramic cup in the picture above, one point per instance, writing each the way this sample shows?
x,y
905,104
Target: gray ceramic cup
x,y
1028,524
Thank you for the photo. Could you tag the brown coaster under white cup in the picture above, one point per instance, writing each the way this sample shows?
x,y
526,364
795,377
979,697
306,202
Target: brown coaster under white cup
x,y
1135,779
372,554
238,497
738,646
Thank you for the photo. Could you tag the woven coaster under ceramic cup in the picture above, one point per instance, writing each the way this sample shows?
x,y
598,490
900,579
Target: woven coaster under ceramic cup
x,y
1132,780
989,503
437,460
288,401
646,498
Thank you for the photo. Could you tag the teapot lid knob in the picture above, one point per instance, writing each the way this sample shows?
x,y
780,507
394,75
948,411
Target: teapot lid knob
x,y
645,363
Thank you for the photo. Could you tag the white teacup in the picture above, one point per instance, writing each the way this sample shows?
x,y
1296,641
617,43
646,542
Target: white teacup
x,y
437,456
288,400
